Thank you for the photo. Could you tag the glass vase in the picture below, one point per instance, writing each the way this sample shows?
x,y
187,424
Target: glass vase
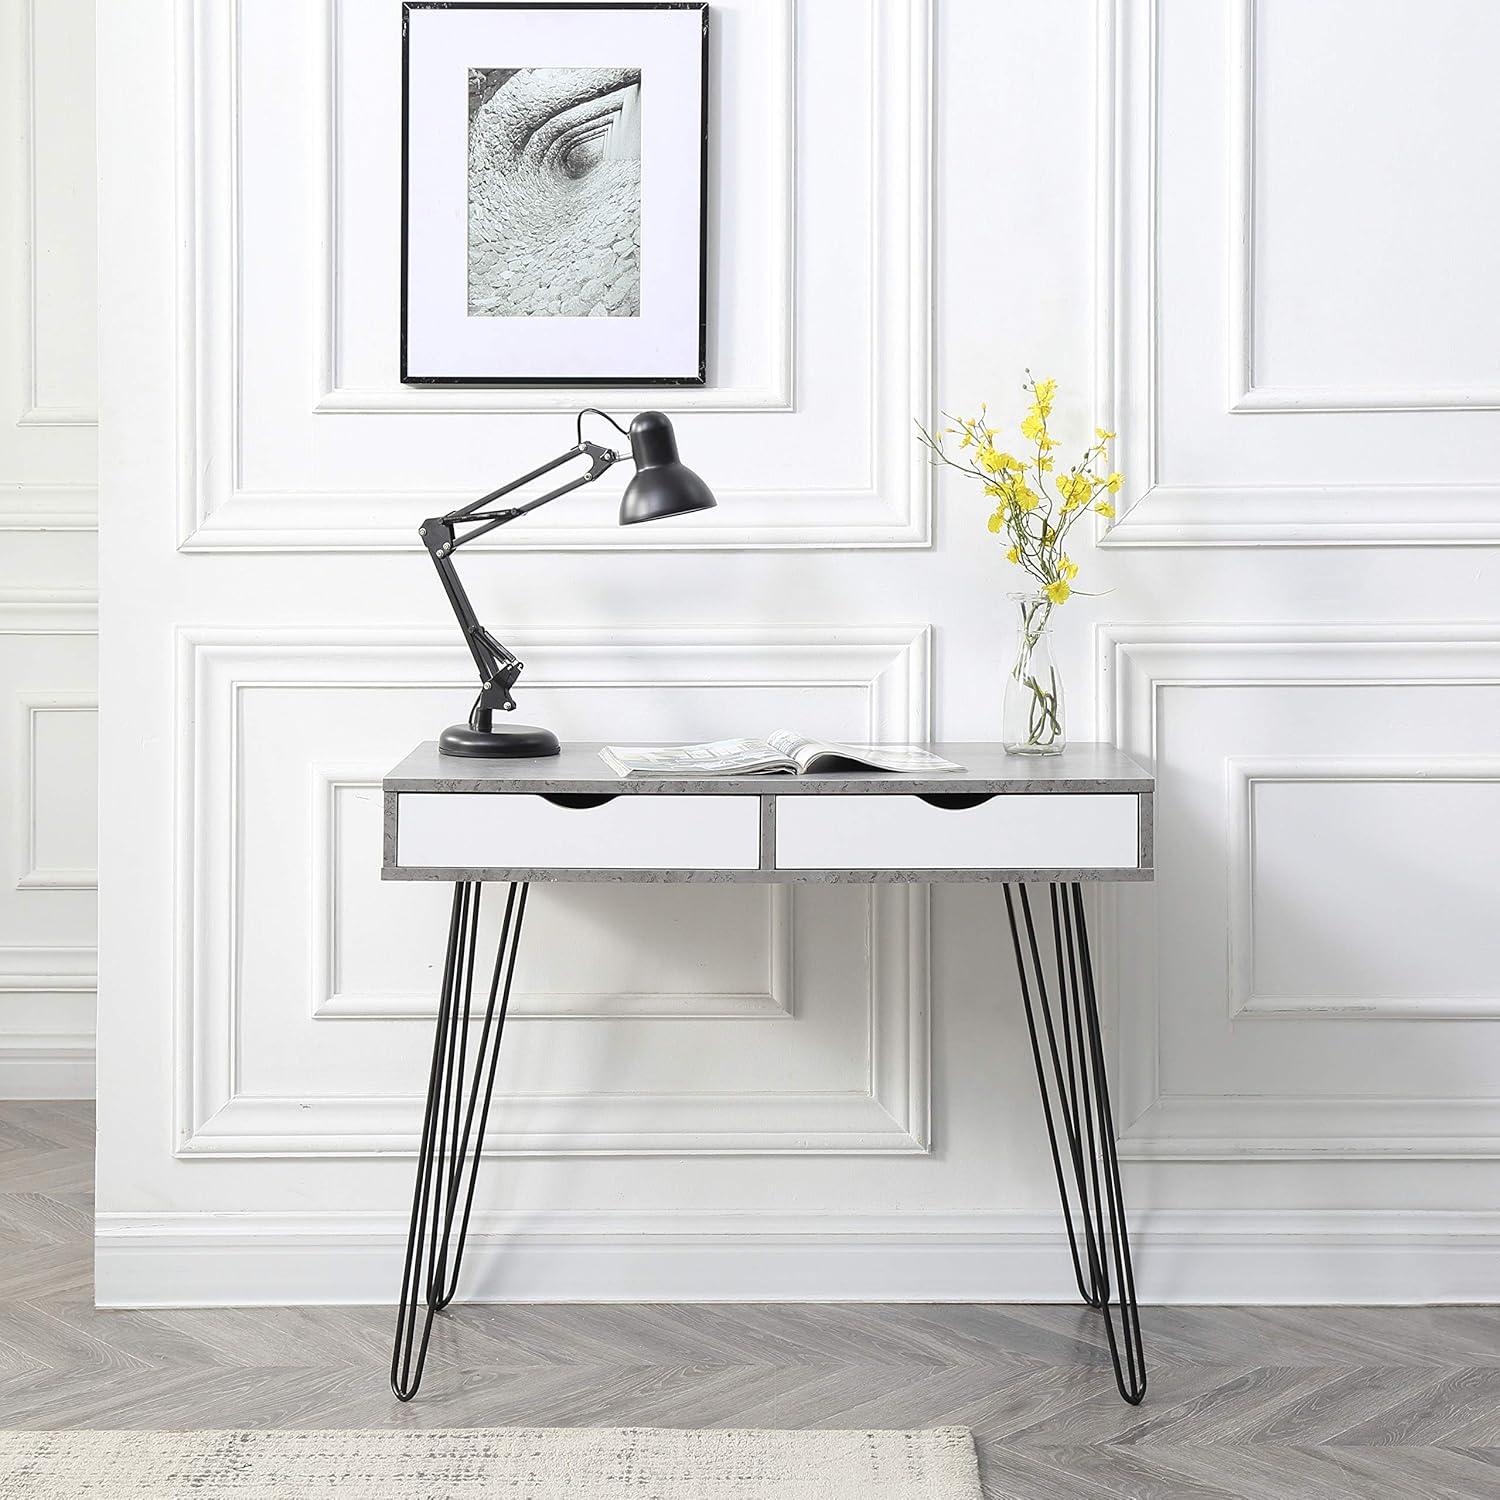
x,y
1032,721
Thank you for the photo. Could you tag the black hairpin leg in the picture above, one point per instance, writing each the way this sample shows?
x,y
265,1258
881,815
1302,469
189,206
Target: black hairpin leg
x,y
459,1089
1069,1055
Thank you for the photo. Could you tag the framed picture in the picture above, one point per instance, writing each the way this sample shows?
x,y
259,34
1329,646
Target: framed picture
x,y
553,193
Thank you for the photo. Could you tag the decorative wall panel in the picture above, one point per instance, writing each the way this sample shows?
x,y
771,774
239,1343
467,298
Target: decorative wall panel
x,y
1211,1065
47,370
48,809
277,837
1288,369
263,468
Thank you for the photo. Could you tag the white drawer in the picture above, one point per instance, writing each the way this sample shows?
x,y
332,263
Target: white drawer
x,y
1011,831
522,831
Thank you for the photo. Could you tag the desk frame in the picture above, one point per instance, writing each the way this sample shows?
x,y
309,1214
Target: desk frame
x,y
1057,991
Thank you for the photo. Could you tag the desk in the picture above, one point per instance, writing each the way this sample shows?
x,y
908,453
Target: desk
x,y
1058,822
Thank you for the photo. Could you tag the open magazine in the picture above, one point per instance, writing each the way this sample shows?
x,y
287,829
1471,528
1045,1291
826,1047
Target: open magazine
x,y
783,753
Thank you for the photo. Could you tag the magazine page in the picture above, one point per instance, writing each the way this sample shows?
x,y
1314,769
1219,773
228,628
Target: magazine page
x,y
747,757
825,755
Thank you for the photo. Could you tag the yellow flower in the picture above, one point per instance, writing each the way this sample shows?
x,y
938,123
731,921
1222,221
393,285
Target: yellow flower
x,y
1113,483
990,461
1102,435
1044,463
1066,567
997,520
1057,592
1034,426
1105,509
967,438
1014,555
1025,497
1075,489
995,490
1045,390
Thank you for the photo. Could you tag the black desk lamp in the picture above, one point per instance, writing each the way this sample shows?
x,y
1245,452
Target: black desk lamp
x,y
662,486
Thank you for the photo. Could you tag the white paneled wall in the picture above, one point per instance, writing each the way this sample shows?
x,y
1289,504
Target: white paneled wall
x,y
48,825
1269,273
1298,346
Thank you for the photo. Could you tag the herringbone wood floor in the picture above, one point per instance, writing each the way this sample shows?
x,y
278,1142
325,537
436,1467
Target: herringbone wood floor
x,y
1263,1402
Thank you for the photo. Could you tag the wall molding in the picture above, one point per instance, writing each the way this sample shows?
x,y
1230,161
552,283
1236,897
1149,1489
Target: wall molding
x,y
888,507
26,505
49,507
332,396
1127,372
29,707
216,1116
1246,394
48,612
1313,1128
36,1064
1136,663
42,1060
332,1000
39,1060
48,969
34,411
1199,1256
1243,774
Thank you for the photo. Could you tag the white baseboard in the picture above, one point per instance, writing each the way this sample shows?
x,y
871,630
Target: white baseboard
x,y
186,1260
43,1065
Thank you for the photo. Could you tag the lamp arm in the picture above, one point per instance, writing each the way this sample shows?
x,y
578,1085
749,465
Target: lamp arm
x,y
498,667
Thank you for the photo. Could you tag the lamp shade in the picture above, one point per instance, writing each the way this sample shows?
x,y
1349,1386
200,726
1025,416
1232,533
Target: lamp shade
x,y
663,485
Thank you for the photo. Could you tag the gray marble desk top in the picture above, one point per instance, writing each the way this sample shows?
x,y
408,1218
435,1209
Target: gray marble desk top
x,y
987,769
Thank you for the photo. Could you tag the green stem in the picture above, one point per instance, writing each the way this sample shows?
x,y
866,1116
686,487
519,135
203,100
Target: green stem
x,y
1044,724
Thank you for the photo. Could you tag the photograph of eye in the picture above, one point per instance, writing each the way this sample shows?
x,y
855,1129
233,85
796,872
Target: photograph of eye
x,y
554,205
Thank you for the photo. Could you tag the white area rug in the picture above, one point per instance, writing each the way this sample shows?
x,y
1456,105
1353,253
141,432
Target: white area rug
x,y
537,1463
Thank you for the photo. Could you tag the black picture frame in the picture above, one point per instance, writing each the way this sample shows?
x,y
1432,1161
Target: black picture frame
x,y
699,378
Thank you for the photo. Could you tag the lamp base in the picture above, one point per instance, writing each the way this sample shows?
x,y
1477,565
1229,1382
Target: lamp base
x,y
519,742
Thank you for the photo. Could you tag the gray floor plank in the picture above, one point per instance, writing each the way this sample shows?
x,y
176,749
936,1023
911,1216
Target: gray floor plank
x,y
1431,1415
1260,1472
1143,1475
1392,1472
1311,1403
1333,1403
